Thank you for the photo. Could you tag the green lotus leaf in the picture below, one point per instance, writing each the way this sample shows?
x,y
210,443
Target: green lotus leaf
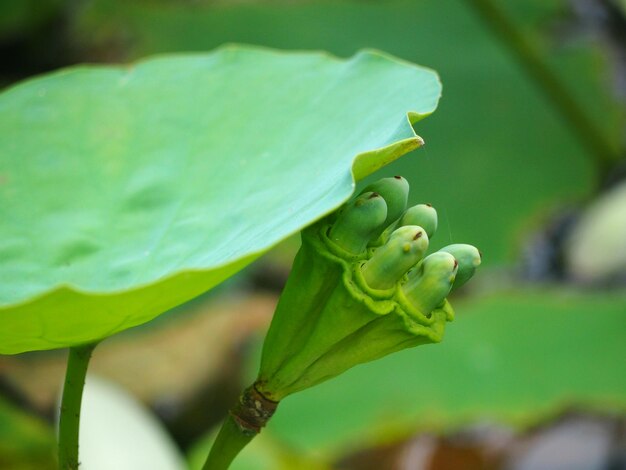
x,y
125,191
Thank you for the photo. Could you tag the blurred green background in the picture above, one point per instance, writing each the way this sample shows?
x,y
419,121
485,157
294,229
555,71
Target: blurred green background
x,y
524,158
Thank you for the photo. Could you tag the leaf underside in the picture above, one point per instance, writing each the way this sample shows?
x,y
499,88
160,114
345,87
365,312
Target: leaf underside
x,y
127,191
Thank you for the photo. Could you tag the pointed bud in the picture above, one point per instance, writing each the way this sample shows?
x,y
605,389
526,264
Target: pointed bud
x,y
395,192
406,246
431,281
423,215
356,224
469,259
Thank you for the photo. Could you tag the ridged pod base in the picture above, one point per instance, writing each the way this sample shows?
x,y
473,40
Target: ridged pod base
x,y
328,320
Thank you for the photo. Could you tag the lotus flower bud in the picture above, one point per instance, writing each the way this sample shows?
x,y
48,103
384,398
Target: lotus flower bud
x,y
431,281
423,215
469,259
348,301
405,247
357,223
395,192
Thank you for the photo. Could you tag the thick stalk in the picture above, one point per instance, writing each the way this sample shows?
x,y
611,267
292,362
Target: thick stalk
x,y
69,422
229,442
588,133
243,423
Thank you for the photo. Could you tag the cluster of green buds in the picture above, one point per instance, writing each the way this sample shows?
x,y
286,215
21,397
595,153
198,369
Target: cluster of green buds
x,y
361,288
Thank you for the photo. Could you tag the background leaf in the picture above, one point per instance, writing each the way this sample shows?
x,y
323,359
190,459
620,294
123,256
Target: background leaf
x,y
495,139
26,442
127,191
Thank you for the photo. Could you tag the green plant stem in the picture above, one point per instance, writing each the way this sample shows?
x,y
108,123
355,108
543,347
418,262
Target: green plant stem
x,y
229,442
245,420
69,422
596,143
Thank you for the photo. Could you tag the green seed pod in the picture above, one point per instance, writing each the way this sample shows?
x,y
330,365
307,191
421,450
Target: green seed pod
x,y
329,320
431,281
423,215
395,192
469,259
357,223
348,300
406,246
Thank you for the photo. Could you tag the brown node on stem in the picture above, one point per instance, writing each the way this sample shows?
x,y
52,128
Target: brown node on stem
x,y
252,411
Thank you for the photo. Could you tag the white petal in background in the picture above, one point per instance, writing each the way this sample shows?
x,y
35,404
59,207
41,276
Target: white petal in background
x,y
118,432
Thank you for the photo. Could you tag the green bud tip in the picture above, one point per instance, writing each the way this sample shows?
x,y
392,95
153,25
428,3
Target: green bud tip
x,y
395,192
357,222
431,281
406,246
423,215
469,259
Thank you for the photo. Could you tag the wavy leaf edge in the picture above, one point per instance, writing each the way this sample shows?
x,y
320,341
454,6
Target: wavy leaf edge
x,y
202,278
363,164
